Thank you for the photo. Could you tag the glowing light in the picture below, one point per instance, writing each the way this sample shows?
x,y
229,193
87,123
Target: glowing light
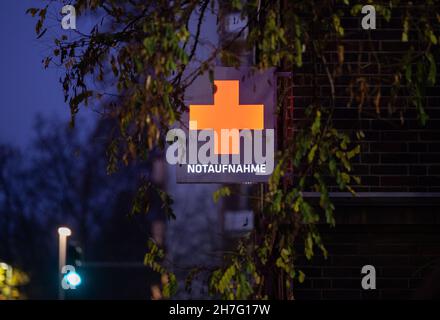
x,y
4,266
73,278
64,231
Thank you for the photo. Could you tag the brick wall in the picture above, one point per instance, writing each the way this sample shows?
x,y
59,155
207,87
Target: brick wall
x,y
404,249
400,236
398,153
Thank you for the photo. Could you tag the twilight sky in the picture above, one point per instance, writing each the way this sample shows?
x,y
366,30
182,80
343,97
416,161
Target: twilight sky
x,y
26,88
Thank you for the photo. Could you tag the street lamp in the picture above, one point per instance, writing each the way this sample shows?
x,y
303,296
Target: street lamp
x,y
63,233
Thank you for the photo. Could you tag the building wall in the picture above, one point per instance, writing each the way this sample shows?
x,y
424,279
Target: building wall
x,y
401,242
397,233
399,154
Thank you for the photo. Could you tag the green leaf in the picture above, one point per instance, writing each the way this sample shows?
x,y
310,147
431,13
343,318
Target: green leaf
x,y
222,192
301,276
432,73
316,126
311,154
405,29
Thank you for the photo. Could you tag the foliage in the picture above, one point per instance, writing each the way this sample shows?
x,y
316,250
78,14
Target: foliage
x,y
153,260
222,192
139,53
10,281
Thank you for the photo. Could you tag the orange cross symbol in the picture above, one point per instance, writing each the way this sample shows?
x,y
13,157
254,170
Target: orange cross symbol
x,y
226,113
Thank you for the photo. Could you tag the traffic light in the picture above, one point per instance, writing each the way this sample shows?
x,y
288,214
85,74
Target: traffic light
x,y
74,261
74,255
73,279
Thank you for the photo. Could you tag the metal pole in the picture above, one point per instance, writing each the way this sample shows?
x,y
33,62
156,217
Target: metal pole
x,y
61,264
63,233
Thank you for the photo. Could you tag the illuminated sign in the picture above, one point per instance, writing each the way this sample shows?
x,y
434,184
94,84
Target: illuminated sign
x,y
230,137
226,114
